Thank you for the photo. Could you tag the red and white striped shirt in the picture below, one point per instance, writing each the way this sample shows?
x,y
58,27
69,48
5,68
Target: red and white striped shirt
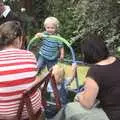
x,y
17,73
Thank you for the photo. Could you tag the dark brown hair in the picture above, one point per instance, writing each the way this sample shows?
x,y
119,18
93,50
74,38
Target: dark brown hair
x,y
93,48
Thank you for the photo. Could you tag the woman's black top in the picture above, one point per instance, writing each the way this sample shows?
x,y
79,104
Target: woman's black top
x,y
108,80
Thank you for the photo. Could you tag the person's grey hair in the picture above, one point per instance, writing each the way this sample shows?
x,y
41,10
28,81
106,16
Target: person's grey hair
x,y
53,20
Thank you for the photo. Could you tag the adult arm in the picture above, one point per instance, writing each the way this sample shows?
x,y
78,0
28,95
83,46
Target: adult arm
x,y
87,98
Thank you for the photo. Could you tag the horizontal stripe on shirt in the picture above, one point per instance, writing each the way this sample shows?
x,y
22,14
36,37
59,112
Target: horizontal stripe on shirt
x,y
50,48
18,70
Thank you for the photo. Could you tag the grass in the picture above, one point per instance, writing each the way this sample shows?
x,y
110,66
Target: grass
x,y
81,73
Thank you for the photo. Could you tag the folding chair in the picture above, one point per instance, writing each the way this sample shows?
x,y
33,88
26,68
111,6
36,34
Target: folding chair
x,y
26,98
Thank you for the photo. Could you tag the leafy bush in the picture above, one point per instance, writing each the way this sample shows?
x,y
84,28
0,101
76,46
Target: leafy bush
x,y
101,17
77,17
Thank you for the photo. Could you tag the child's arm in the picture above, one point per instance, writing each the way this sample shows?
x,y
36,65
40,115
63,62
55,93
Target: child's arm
x,y
39,35
61,53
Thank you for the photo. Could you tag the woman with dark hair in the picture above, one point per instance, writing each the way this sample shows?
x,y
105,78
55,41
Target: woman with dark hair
x,y
18,71
94,49
102,83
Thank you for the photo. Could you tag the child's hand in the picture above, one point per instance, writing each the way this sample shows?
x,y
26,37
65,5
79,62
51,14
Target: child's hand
x,y
74,66
69,83
39,35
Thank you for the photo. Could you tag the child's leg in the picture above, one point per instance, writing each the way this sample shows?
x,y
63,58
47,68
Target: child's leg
x,y
51,63
63,94
41,63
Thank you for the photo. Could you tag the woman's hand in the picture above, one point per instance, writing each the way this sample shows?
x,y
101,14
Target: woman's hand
x,y
87,97
77,97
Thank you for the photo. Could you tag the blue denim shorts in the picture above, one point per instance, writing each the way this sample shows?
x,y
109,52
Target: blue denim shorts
x,y
43,62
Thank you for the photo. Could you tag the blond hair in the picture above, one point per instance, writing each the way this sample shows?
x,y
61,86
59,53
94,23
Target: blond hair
x,y
52,20
58,73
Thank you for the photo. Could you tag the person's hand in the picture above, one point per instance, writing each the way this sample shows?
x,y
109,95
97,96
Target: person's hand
x,y
39,35
74,66
76,98
69,83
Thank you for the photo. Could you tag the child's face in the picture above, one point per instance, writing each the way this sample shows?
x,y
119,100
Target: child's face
x,y
50,28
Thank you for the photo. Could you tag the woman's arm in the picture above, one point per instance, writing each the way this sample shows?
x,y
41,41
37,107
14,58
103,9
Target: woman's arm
x,y
87,98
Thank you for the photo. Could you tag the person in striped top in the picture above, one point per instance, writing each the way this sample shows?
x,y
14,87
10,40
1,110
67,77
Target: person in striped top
x,y
51,49
18,69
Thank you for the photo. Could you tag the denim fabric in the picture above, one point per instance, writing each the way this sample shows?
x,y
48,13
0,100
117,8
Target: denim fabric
x,y
63,94
43,62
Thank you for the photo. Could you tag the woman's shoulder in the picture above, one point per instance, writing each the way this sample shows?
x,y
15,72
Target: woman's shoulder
x,y
107,61
24,52
100,67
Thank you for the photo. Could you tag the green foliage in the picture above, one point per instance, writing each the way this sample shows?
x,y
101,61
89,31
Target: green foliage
x,y
101,17
82,16
39,11
77,17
